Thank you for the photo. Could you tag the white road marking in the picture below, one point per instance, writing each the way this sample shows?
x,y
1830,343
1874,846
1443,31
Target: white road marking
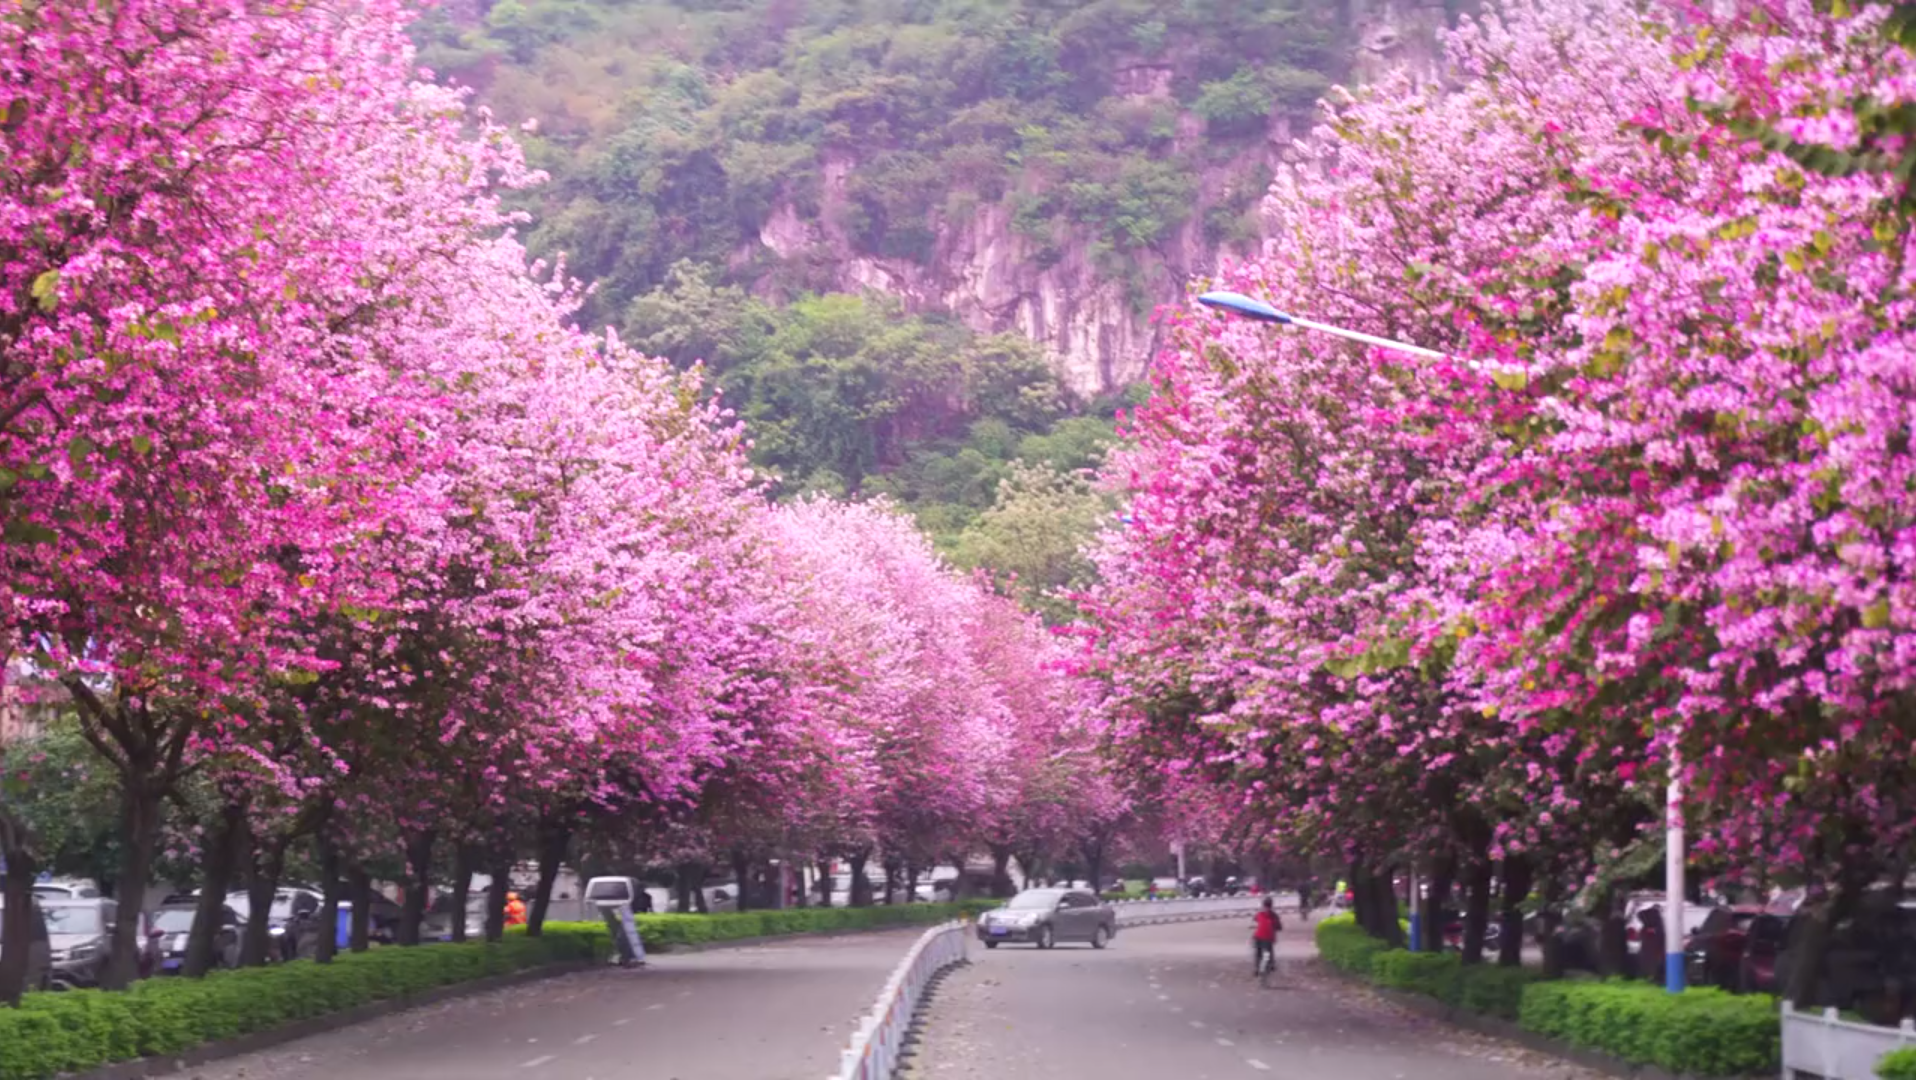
x,y
622,1022
1225,1042
1164,997
1256,1064
1177,1008
1197,1023
659,1005
583,1039
536,1062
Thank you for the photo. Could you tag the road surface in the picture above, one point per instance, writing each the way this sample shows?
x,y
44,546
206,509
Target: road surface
x,y
780,1011
1179,1001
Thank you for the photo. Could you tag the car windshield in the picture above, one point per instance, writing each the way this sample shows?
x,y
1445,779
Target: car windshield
x,y
72,920
1035,900
174,920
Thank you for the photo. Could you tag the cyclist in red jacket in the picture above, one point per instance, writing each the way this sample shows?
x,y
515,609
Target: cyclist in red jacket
x,y
1264,938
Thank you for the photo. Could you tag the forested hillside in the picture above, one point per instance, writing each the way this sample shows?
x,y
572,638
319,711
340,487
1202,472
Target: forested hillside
x,y
998,190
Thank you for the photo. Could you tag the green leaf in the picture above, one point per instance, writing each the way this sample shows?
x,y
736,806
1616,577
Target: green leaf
x,y
79,449
8,478
1876,616
46,289
1510,380
27,532
142,444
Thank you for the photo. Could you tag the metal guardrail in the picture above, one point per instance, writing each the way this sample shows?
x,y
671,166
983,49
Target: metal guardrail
x,y
1185,909
1822,1044
876,1045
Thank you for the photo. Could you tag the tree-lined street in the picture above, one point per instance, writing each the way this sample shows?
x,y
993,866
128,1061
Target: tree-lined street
x,y
1179,1001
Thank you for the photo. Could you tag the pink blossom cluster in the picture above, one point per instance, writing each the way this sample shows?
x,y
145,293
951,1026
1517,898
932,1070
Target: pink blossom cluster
x,y
313,493
1650,518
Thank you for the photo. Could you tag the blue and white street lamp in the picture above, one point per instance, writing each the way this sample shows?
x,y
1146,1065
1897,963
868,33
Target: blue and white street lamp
x,y
1673,869
1263,312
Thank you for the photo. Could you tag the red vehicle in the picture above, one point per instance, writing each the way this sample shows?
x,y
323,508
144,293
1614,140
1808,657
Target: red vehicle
x,y
1764,941
1715,950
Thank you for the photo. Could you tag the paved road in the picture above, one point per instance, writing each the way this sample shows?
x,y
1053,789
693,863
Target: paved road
x,y
1179,1001
780,1011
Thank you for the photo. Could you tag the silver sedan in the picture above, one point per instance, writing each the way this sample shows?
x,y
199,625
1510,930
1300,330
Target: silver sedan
x,y
1044,917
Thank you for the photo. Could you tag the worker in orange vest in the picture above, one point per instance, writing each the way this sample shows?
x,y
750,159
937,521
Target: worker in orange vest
x,y
515,910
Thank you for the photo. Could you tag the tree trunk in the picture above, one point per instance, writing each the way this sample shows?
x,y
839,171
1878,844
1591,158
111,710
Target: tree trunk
x,y
463,857
418,883
1093,852
554,839
139,831
682,889
1613,943
1001,873
824,883
861,888
16,922
217,860
1553,960
1476,908
260,946
326,943
911,882
891,881
1516,890
500,870
1431,928
359,887
741,873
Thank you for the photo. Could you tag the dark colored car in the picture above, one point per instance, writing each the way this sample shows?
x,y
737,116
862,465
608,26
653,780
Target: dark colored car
x,y
1714,953
1764,943
172,924
1045,917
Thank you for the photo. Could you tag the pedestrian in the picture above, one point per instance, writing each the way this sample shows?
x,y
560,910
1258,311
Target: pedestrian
x,y
1264,937
645,901
515,910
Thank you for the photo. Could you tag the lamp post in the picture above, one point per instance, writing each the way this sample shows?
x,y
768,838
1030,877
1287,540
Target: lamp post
x,y
1673,954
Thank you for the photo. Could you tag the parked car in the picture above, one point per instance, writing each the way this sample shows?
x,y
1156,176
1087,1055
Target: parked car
x,y
79,939
1760,969
291,920
1694,916
382,921
66,889
172,925
1714,953
1045,917
39,949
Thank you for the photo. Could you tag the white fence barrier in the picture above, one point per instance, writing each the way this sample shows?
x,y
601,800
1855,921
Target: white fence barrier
x,y
875,1046
1185,909
1820,1044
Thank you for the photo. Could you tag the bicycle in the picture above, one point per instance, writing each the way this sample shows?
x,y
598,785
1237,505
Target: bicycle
x,y
1263,961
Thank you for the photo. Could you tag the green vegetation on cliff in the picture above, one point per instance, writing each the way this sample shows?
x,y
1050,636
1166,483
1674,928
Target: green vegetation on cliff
x,y
674,130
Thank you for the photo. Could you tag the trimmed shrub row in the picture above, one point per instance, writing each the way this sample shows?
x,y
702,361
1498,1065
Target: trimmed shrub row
x,y
81,1029
1701,1032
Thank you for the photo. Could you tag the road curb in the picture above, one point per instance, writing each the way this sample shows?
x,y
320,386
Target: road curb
x,y
1510,1031
321,1025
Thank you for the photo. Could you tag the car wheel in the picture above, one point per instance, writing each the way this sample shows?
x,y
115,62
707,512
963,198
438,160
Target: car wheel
x,y
991,944
1045,937
1100,937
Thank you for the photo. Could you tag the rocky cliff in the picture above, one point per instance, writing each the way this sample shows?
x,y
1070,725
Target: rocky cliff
x,y
1098,329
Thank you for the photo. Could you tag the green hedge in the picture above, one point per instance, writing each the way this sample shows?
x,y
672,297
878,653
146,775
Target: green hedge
x,y
81,1029
1898,1065
1701,1032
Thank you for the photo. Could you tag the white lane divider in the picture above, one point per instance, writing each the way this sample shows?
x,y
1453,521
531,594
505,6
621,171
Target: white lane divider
x,y
583,1039
622,1021
1222,1041
1197,1023
1256,1064
538,1061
